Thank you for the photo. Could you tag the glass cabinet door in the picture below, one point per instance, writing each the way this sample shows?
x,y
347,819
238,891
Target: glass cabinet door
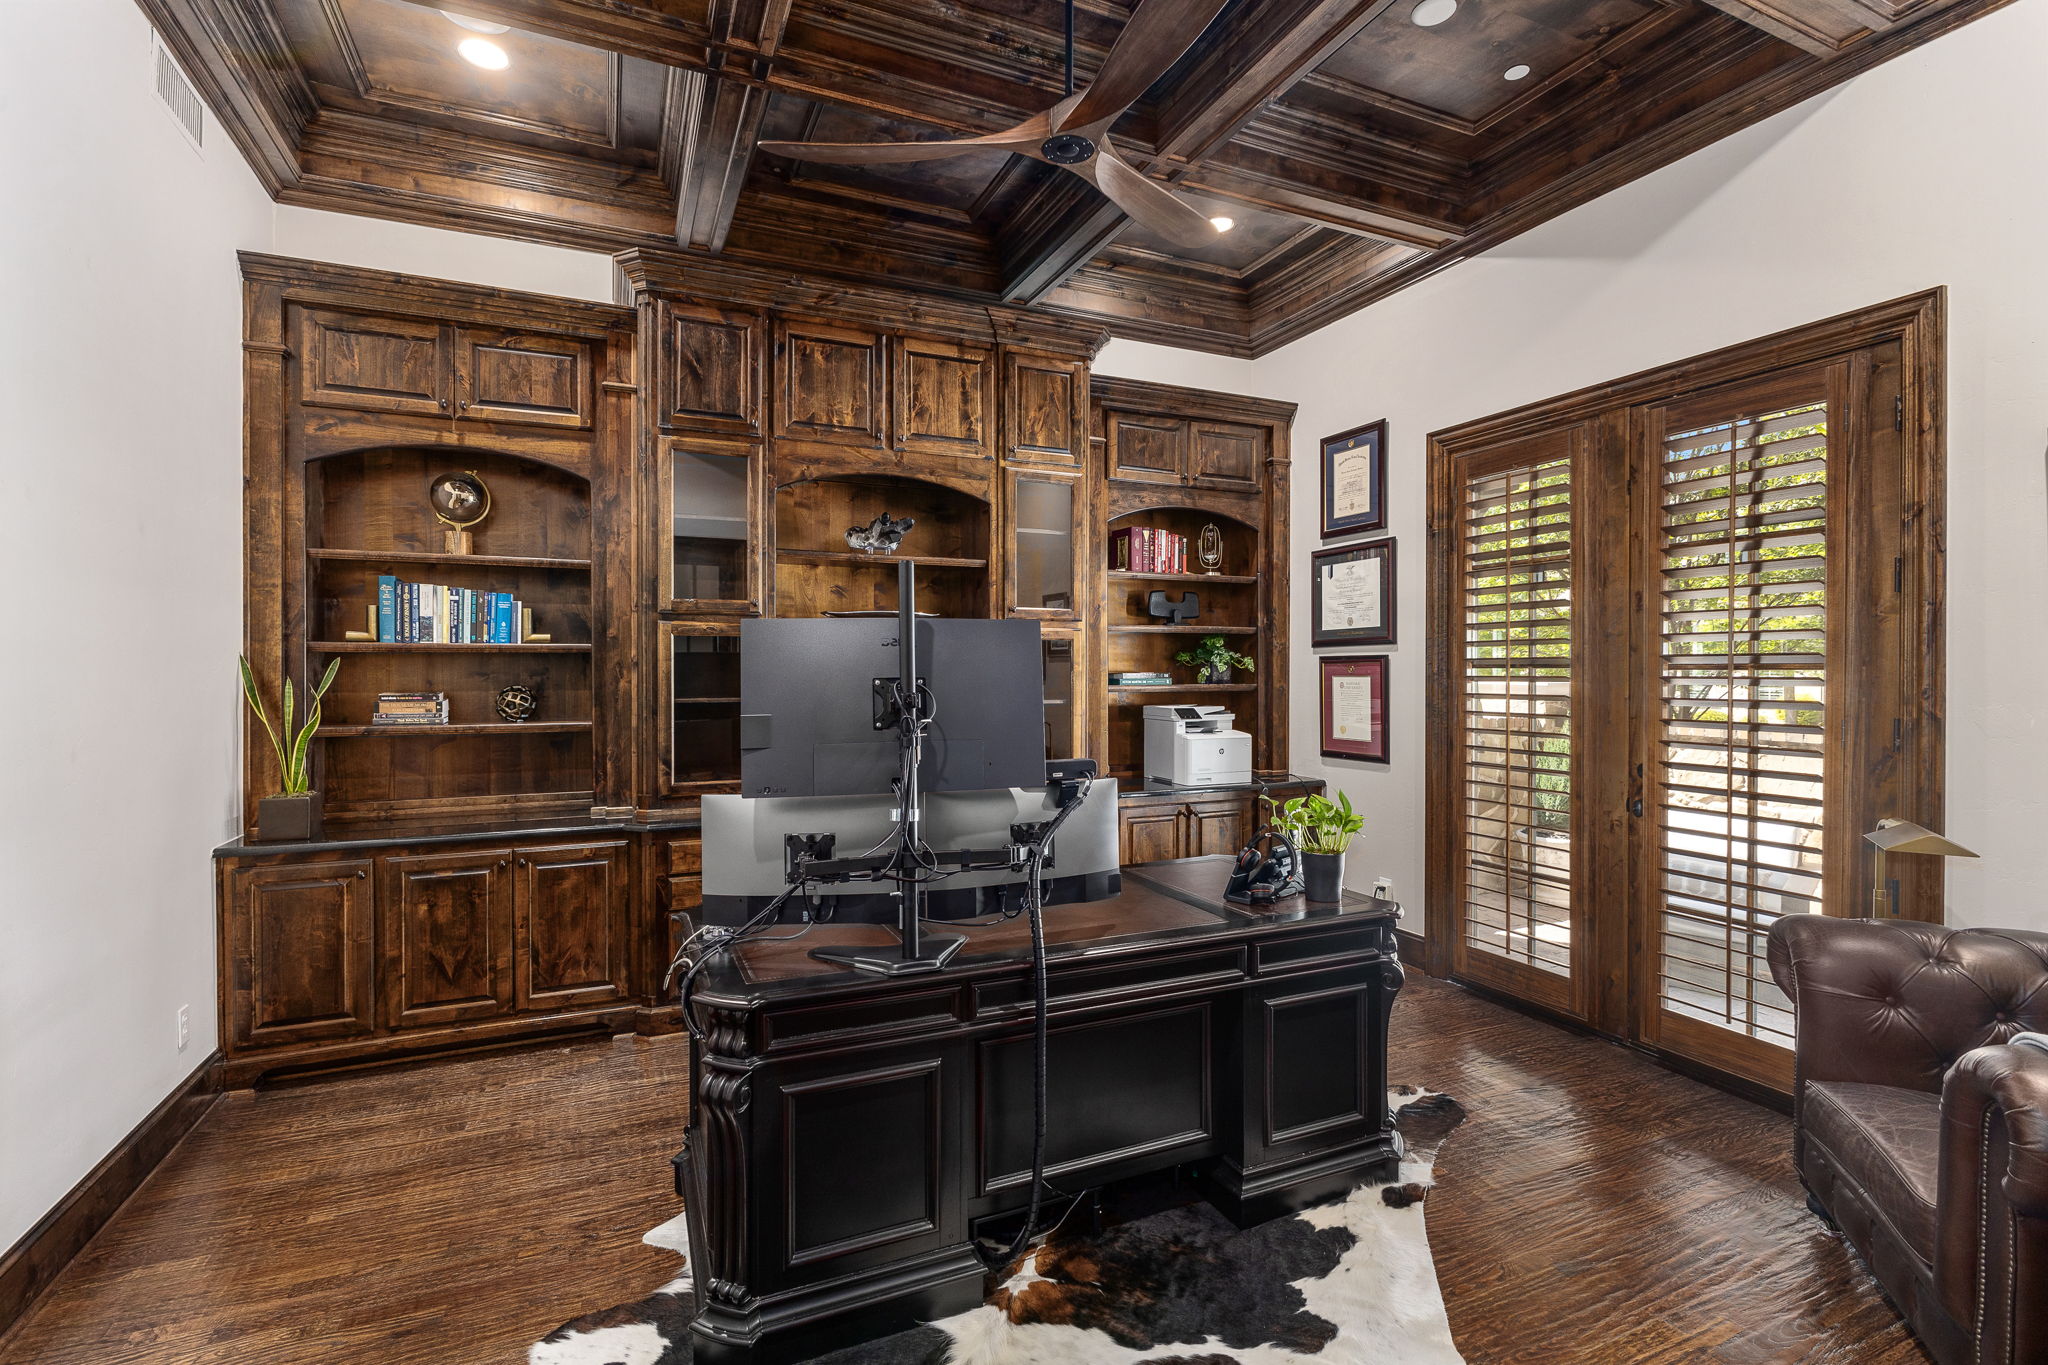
x,y
1062,699
1042,545
703,663
711,500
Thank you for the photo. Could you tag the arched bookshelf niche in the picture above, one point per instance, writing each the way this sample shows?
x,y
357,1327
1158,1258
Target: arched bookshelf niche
x,y
367,517
818,573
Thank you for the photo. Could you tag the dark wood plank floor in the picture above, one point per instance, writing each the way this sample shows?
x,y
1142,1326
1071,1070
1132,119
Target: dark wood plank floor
x,y
1595,1209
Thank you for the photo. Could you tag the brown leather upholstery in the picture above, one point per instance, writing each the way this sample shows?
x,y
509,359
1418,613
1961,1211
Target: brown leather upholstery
x,y
1919,1130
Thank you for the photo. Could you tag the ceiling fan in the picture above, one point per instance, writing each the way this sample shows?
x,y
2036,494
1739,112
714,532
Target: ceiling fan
x,y
1074,134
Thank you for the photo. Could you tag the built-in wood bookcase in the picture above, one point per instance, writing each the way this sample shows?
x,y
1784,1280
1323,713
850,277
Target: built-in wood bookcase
x,y
1180,460
363,389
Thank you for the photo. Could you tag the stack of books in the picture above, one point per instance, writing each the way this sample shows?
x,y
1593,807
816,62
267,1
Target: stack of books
x,y
411,708
1140,679
435,614
1147,549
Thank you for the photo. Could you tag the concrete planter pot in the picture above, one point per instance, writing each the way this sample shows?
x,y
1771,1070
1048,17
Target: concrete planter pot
x,y
288,819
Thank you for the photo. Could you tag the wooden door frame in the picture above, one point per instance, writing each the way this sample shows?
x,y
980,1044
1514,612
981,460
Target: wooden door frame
x,y
1917,323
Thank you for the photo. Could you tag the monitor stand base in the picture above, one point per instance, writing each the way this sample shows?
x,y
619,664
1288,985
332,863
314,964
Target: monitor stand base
x,y
882,960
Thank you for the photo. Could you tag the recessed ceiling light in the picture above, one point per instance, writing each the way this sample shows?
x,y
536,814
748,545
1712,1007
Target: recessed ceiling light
x,y
1515,72
480,25
1430,13
1222,224
484,53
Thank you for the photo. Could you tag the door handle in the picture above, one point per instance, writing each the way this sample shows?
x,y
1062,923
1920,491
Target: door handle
x,y
1635,807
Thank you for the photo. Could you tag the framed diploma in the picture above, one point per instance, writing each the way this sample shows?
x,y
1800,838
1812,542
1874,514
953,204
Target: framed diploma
x,y
1353,602
1355,707
1355,480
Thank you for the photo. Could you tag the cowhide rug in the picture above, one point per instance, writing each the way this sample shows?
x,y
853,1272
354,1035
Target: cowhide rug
x,y
1349,1282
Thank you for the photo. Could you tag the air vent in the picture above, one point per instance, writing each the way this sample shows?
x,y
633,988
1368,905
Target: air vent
x,y
177,93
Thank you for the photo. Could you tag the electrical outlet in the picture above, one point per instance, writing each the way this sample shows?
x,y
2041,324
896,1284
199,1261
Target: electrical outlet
x,y
184,1026
1383,889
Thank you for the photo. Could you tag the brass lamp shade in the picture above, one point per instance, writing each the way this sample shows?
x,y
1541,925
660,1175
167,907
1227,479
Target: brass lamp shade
x,y
1903,836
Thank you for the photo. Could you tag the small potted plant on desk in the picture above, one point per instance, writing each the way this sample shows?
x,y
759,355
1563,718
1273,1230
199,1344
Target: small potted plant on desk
x,y
1213,660
1321,830
293,814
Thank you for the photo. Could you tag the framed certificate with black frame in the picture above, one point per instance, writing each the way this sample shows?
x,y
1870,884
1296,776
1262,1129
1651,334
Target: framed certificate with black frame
x,y
1355,480
1353,600
1354,706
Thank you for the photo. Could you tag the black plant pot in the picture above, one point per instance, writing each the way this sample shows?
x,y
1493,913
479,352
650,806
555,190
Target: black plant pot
x,y
1219,673
1322,876
288,819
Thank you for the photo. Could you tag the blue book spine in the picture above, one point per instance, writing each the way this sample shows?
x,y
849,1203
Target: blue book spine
x,y
387,608
412,613
501,618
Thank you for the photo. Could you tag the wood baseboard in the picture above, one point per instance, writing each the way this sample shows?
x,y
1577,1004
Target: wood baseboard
x,y
1413,952
42,1253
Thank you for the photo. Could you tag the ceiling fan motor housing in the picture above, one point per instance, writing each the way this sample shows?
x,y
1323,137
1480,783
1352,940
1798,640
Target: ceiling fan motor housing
x,y
1067,149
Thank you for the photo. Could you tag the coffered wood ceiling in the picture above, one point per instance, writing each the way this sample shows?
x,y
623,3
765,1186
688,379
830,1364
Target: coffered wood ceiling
x,y
1356,150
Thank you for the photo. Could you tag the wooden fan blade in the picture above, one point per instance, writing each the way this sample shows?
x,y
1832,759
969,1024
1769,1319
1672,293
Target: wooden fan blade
x,y
1150,44
1147,201
880,153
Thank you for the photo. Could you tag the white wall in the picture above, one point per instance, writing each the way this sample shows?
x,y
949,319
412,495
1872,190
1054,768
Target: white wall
x,y
1930,170
436,253
1170,365
120,545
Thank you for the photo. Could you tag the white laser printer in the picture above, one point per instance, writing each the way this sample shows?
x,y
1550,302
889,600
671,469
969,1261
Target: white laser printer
x,y
1195,746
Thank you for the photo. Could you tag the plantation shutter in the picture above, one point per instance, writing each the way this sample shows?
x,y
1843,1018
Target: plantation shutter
x,y
1515,685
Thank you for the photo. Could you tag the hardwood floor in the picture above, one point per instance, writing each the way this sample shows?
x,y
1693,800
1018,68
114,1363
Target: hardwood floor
x,y
1593,1209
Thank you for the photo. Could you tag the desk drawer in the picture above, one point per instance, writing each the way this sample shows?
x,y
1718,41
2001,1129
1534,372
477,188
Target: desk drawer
x,y
1069,984
685,857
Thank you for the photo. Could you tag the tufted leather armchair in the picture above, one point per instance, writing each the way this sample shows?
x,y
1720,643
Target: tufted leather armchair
x,y
1919,1131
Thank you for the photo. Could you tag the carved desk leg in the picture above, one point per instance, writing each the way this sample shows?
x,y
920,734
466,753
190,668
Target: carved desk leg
x,y
720,1137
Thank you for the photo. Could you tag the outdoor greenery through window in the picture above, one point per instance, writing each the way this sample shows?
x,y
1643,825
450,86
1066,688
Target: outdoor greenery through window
x,y
1744,516
1518,725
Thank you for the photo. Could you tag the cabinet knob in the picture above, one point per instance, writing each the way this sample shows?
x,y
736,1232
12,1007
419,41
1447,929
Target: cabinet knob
x,y
362,872
504,862
442,401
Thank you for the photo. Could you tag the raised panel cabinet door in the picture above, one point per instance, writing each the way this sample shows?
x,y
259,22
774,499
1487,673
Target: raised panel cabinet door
x,y
830,384
571,925
299,944
530,378
1218,826
945,398
1147,448
1152,834
1227,455
1044,399
711,369
372,364
445,937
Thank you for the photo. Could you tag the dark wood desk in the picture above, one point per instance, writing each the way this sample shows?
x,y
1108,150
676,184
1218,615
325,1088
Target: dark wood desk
x,y
849,1131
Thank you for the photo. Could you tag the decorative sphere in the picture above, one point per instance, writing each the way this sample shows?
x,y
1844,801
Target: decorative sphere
x,y
517,703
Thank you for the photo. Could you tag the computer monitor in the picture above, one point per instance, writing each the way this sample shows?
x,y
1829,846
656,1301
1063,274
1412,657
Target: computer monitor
x,y
812,724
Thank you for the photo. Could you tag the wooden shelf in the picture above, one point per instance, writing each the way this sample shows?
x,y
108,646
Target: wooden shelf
x,y
430,557
1186,577
707,701
853,557
1184,630
388,647
1185,687
531,727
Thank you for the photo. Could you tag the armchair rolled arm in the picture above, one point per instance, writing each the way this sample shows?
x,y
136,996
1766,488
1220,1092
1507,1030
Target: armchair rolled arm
x,y
1994,1189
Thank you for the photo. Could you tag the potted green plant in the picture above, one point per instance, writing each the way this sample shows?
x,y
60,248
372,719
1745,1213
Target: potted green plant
x,y
1213,659
1320,830
294,813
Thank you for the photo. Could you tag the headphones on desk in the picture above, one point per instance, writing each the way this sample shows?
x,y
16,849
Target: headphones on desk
x,y
1267,869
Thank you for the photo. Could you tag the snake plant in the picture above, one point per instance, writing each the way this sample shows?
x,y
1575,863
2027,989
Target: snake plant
x,y
292,747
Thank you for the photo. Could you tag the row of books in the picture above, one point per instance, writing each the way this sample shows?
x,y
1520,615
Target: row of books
x,y
435,614
1140,679
1148,549
410,708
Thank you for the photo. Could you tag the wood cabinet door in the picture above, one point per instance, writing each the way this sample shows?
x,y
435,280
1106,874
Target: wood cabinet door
x,y
1218,826
945,398
1146,448
711,369
1227,455
299,943
1044,401
830,383
531,378
445,937
372,364
1152,834
571,929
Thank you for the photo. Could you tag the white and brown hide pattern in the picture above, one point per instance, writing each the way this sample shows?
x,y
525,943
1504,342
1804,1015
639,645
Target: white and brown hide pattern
x,y
1348,1282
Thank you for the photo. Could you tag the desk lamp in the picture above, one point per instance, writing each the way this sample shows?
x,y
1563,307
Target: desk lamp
x,y
1903,836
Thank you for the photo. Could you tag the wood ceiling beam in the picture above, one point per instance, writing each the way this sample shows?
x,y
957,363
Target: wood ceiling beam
x,y
1821,27
1062,226
711,125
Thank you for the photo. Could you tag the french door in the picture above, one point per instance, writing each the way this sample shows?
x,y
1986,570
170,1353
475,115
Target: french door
x,y
1688,648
